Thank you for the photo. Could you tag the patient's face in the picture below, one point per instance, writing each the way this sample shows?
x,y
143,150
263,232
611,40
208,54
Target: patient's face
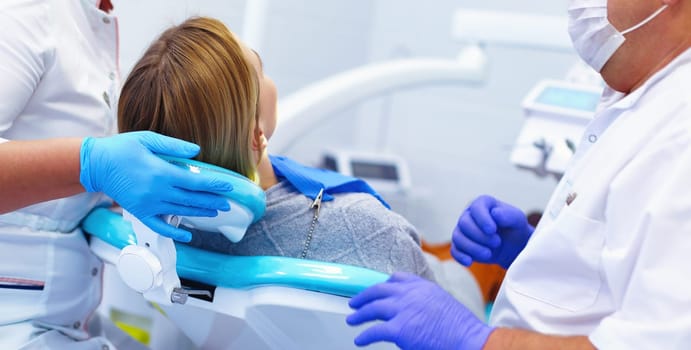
x,y
268,95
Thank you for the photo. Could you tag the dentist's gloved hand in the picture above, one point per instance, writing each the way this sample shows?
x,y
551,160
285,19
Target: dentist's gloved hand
x,y
418,314
490,231
125,168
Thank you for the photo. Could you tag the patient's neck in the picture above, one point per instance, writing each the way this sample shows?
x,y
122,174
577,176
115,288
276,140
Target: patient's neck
x,y
267,177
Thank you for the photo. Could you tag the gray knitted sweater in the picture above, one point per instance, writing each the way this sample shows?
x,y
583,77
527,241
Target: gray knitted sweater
x,y
354,229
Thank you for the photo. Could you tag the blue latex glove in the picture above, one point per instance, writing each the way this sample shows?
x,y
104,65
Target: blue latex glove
x,y
490,231
125,168
417,314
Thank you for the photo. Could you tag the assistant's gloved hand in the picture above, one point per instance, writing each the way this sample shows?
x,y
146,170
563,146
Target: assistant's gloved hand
x,y
125,168
490,231
418,314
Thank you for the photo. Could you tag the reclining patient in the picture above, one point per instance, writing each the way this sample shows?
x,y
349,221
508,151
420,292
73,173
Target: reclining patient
x,y
199,82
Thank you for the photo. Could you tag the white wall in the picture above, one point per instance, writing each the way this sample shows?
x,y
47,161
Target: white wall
x,y
140,22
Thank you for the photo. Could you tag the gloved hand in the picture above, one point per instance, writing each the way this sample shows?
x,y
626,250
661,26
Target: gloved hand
x,y
490,231
125,168
418,314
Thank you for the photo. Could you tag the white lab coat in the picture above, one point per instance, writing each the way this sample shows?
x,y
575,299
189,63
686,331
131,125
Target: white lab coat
x,y
58,78
615,263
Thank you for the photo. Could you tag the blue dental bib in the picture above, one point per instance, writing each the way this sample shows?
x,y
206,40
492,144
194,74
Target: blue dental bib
x,y
310,181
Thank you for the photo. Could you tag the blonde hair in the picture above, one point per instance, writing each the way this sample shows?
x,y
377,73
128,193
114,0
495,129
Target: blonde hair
x,y
195,83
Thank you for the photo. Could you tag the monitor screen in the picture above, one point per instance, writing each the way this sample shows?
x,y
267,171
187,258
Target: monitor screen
x,y
563,97
374,170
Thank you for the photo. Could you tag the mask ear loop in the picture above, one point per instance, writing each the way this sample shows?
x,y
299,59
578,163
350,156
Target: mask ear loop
x,y
645,21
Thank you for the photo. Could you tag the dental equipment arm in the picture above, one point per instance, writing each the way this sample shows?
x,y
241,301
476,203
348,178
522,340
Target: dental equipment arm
x,y
305,108
490,231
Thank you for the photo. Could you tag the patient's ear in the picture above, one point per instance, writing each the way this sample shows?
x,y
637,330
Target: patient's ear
x,y
259,142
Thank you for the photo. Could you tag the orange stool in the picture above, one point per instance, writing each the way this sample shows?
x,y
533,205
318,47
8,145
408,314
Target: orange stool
x,y
488,277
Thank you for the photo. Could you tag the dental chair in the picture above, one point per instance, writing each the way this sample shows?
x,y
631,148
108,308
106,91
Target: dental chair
x,y
232,302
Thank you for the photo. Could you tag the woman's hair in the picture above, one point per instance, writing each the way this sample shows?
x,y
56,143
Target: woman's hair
x,y
195,83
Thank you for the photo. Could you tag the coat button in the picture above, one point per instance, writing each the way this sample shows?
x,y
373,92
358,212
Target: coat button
x,y
106,98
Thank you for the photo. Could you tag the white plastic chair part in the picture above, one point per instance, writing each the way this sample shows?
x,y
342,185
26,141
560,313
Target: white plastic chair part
x,y
139,268
268,317
120,300
232,224
104,251
149,267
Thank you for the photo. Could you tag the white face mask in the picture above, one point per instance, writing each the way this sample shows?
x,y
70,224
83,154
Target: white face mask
x,y
593,37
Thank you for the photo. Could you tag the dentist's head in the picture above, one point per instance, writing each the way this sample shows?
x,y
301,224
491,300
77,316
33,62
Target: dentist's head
x,y
627,41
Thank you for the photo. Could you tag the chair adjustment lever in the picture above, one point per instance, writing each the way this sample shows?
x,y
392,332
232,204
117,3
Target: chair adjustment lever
x,y
179,295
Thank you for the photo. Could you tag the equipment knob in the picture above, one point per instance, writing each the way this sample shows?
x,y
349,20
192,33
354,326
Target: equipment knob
x,y
139,268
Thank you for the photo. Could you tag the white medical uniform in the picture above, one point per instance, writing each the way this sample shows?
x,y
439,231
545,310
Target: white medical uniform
x,y
611,257
58,78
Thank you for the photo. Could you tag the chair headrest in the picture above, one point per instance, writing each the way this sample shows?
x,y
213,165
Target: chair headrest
x,y
247,201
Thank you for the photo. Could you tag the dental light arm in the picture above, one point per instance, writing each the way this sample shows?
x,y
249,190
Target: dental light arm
x,y
303,109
